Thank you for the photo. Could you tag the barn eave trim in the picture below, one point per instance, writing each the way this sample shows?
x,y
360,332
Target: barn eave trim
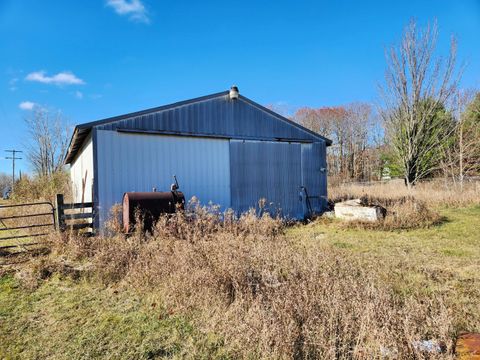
x,y
76,143
212,136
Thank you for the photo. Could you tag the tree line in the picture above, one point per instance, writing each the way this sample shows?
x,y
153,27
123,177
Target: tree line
x,y
425,125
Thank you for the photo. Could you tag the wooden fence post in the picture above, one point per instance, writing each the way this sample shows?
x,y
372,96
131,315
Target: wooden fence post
x,y
60,213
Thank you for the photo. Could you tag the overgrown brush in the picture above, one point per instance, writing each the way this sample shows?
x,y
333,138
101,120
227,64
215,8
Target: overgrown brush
x,y
407,208
42,188
435,193
401,213
268,296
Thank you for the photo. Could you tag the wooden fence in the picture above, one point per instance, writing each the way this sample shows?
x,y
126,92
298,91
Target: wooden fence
x,y
74,216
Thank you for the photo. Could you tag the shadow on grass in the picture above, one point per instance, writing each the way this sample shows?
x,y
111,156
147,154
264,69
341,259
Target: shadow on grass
x,y
21,254
442,220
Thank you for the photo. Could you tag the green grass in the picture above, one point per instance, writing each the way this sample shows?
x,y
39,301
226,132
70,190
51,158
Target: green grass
x,y
67,319
443,260
458,236
63,319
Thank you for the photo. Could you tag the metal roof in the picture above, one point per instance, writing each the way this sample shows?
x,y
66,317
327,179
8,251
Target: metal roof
x,y
189,117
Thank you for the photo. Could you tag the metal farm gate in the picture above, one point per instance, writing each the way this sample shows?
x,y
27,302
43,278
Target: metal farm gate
x,y
25,221
21,224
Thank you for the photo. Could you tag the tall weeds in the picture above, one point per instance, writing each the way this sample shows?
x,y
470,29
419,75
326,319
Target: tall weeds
x,y
268,296
435,193
407,208
42,188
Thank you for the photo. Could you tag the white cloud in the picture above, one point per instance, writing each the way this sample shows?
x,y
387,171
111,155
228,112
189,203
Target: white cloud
x,y
62,78
134,9
27,105
78,94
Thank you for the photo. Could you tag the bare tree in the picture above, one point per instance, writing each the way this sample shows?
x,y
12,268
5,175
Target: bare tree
x,y
281,108
464,153
359,125
48,142
318,120
5,182
351,128
419,87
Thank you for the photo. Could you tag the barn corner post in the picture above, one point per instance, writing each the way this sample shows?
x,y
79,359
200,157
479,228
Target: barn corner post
x,y
59,212
95,196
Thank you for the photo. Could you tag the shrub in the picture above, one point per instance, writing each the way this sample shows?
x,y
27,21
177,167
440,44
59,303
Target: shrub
x,y
43,188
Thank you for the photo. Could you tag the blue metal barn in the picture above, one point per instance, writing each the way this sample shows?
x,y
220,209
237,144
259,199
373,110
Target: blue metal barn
x,y
224,149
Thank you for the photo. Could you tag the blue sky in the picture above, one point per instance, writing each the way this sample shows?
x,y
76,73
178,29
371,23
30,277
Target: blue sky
x,y
98,58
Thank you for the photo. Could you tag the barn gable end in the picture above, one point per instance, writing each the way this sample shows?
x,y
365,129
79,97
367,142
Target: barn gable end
x,y
211,116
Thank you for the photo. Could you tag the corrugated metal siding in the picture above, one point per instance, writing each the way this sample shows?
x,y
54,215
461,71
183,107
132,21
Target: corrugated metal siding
x,y
81,169
313,178
269,170
218,116
132,162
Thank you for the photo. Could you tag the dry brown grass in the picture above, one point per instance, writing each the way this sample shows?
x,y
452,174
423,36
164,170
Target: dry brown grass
x,y
265,294
436,193
32,190
271,295
401,213
406,209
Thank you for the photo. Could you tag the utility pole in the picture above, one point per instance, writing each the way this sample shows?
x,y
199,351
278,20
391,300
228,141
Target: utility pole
x,y
13,158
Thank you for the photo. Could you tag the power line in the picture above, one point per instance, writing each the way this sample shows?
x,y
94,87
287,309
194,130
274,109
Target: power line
x,y
13,158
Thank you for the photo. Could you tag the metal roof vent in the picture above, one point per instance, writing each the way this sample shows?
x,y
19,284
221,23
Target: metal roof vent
x,y
234,92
